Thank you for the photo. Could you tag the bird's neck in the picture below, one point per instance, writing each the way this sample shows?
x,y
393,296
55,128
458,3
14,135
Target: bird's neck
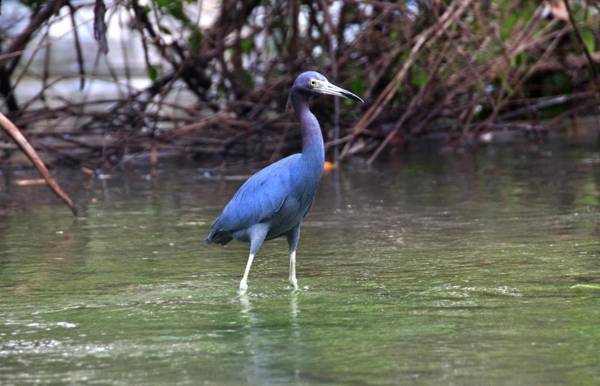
x,y
313,148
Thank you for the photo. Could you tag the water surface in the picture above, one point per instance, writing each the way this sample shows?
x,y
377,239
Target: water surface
x,y
478,268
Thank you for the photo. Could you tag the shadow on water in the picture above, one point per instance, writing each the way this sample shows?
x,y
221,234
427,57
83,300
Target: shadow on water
x,y
474,268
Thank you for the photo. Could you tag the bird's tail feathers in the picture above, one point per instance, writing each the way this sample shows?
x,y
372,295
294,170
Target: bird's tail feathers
x,y
218,236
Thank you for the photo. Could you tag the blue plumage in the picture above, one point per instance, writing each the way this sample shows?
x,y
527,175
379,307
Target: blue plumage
x,y
273,202
276,194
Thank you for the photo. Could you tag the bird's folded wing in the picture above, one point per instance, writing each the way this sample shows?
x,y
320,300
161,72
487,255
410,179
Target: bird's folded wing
x,y
257,200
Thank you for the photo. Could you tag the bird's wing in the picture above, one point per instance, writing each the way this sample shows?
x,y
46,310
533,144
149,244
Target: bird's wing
x,y
259,198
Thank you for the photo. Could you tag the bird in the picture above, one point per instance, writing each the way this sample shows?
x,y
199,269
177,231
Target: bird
x,y
273,202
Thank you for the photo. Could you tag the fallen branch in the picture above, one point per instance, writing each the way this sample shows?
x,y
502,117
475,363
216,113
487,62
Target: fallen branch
x,y
14,132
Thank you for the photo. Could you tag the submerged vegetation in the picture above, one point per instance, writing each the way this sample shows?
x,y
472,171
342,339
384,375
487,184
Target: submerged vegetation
x,y
215,74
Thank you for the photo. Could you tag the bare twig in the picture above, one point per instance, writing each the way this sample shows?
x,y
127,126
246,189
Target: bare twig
x,y
452,13
22,142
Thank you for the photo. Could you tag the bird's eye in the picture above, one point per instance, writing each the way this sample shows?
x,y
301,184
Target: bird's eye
x,y
313,83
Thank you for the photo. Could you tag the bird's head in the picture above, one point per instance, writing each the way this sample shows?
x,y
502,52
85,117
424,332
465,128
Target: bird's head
x,y
313,83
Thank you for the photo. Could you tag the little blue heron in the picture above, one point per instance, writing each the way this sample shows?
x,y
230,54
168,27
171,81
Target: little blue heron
x,y
273,202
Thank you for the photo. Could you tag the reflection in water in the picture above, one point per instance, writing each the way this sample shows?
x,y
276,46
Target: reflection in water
x,y
294,308
295,335
247,311
253,370
261,346
105,187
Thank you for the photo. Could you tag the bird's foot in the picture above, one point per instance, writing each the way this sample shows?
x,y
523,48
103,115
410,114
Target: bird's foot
x,y
243,286
294,284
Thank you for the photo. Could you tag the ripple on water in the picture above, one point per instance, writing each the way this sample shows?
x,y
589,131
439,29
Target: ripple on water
x,y
479,270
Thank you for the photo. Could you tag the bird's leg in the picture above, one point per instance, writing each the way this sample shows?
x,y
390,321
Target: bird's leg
x,y
244,282
293,237
257,234
293,281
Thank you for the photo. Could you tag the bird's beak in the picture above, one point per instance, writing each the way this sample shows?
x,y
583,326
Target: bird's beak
x,y
332,89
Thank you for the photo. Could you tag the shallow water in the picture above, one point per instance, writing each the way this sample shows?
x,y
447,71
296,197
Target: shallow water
x,y
479,268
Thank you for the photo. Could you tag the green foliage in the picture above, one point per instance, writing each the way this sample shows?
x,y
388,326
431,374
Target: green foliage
x,y
152,72
195,40
521,59
173,8
164,30
419,76
508,25
246,46
556,84
33,4
246,78
589,40
517,15
358,85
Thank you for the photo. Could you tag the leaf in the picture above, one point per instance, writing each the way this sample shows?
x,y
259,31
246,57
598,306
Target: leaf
x,y
521,59
358,85
246,45
33,4
419,77
152,72
195,40
164,30
556,84
589,40
507,26
174,8
245,77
